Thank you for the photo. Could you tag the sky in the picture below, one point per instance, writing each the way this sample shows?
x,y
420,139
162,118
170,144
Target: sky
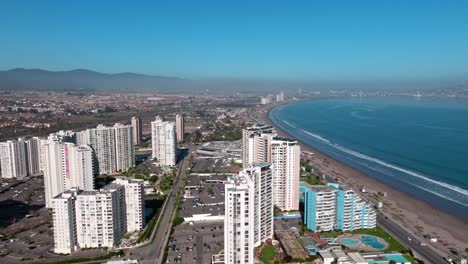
x,y
274,40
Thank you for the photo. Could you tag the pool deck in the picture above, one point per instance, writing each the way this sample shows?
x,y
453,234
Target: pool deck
x,y
360,245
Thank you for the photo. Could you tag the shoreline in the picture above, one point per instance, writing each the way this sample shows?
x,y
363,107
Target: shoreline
x,y
414,215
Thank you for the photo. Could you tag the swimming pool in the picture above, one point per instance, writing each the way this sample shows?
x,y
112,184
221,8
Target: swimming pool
x,y
398,258
349,242
372,241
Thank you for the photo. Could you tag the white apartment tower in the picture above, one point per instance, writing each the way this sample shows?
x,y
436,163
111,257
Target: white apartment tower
x,y
180,128
66,166
124,147
13,159
164,144
239,216
249,132
248,213
113,147
285,159
259,148
64,222
134,201
263,200
137,126
100,217
33,154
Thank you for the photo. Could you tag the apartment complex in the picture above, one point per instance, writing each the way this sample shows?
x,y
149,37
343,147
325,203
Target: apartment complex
x,y
137,126
180,128
285,159
33,154
113,147
164,144
66,166
331,207
261,144
13,159
134,201
238,219
248,213
246,137
99,218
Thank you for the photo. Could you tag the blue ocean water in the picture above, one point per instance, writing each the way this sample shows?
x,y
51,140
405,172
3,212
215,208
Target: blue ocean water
x,y
418,145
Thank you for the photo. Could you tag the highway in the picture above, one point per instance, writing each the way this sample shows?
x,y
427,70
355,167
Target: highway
x,y
424,253
154,252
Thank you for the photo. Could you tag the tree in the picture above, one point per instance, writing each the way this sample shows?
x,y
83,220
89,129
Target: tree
x,y
392,262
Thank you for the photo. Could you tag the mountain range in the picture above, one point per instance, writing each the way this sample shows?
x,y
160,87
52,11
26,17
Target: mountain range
x,y
86,80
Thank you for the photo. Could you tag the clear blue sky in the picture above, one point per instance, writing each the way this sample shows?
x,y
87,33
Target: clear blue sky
x,y
292,40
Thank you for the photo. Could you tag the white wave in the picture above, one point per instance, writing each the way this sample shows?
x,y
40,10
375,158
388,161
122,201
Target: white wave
x,y
415,185
287,123
317,137
383,163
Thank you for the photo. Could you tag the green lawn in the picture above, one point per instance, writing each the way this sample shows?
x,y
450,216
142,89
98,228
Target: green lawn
x,y
268,253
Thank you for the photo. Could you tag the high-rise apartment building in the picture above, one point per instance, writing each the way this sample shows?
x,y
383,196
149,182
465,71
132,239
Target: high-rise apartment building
x,y
98,218
164,144
248,212
64,222
33,153
13,159
261,144
66,166
247,133
137,126
259,147
285,159
238,218
124,147
134,201
331,207
180,128
113,147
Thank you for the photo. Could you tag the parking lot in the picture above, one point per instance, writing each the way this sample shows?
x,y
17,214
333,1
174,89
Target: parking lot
x,y
195,243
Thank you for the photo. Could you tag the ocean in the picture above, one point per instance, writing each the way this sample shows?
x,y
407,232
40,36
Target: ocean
x,y
417,145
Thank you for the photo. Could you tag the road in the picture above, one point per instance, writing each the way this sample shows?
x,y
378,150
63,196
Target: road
x,y
424,253
154,252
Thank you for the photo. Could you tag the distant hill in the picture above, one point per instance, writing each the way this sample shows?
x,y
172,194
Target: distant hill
x,y
81,79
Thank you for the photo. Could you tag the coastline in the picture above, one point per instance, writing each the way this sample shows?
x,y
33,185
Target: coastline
x,y
414,215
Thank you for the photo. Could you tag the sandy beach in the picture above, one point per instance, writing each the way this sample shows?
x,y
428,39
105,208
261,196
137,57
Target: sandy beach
x,y
416,216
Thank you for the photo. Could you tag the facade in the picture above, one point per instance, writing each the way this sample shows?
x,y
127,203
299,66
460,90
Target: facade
x,y
124,147
97,218
286,159
352,212
134,201
100,217
64,222
331,207
13,159
259,148
137,126
164,144
238,231
180,128
249,132
66,166
248,218
33,148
